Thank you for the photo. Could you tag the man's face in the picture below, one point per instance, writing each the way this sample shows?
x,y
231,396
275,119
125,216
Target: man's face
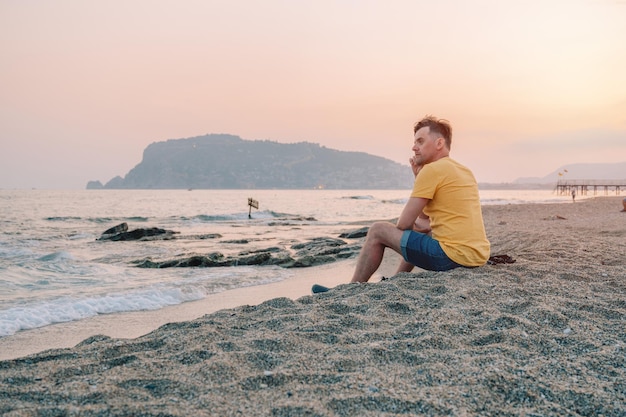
x,y
424,146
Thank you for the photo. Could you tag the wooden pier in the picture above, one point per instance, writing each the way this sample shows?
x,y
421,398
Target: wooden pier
x,y
585,187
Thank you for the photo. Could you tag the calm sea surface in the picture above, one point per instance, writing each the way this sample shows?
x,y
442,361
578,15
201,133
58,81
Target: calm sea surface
x,y
52,268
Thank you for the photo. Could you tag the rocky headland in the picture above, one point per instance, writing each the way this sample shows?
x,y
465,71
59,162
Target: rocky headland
x,y
220,161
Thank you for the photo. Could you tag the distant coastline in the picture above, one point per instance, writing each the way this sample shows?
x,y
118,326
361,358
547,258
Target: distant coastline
x,y
515,186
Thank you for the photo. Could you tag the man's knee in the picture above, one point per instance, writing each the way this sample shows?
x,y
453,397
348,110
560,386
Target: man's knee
x,y
384,233
377,229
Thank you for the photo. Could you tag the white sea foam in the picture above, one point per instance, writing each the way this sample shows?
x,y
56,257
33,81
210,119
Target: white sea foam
x,y
56,256
67,309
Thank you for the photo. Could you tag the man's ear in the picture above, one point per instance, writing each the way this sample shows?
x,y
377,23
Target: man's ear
x,y
441,142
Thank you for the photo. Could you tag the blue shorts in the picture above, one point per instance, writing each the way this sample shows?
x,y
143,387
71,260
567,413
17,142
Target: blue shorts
x,y
425,252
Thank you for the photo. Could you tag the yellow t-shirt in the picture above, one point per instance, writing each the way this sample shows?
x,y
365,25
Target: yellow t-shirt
x,y
454,209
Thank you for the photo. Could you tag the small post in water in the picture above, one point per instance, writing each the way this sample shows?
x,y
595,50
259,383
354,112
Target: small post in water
x,y
252,203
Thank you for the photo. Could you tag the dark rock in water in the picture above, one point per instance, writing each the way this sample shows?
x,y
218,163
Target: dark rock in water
x,y
273,249
321,246
120,233
212,259
317,251
321,251
317,243
258,259
205,236
355,234
215,259
237,241
120,228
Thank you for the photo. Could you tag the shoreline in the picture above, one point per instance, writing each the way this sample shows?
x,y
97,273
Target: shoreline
x,y
541,336
130,325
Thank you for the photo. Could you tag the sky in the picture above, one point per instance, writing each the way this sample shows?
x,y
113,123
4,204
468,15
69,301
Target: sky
x,y
528,85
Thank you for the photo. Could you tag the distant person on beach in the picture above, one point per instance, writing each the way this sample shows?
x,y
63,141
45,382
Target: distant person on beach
x,y
624,204
573,195
441,226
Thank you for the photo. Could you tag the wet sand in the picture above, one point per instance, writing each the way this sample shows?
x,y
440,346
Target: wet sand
x,y
545,335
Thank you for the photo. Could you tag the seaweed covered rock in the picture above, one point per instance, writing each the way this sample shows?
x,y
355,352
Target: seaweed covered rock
x,y
314,252
121,233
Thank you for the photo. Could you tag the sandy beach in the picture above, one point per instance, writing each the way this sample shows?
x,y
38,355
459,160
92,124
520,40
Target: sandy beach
x,y
544,336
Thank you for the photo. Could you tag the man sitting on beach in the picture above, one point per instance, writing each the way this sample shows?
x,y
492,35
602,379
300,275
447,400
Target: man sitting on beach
x,y
441,226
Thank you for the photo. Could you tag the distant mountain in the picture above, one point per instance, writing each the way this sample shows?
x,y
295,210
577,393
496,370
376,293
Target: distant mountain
x,y
616,171
220,161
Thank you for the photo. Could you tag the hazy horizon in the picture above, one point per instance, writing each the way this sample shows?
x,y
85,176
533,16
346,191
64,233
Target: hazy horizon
x,y
528,86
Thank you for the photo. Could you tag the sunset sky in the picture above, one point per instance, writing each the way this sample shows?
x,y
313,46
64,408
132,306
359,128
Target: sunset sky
x,y
528,85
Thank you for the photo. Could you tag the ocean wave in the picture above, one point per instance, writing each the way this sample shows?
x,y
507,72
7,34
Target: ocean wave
x,y
67,309
9,251
137,219
256,215
98,220
62,218
56,256
206,218
80,236
61,266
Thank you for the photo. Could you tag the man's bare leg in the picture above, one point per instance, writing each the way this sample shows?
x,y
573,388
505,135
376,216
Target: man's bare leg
x,y
380,236
405,267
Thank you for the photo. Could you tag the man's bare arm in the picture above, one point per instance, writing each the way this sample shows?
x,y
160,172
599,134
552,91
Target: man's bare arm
x,y
412,209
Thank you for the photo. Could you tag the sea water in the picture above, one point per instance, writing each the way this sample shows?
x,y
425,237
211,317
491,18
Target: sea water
x,y
54,269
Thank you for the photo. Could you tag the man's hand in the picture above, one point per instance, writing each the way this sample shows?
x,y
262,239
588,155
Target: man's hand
x,y
415,165
422,225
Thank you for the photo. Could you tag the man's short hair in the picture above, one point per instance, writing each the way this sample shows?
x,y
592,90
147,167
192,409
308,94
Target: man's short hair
x,y
440,127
